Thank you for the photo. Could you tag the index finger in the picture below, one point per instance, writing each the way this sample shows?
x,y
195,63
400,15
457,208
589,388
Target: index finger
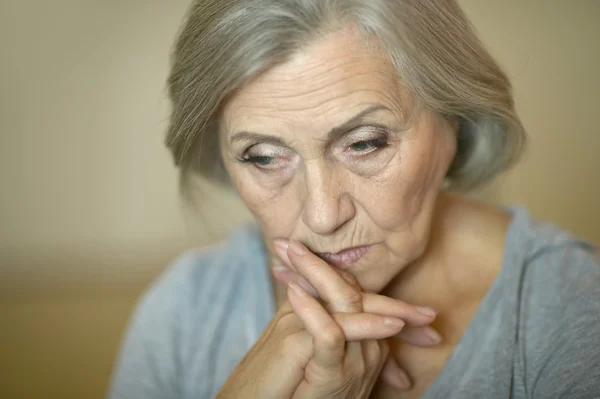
x,y
328,338
331,287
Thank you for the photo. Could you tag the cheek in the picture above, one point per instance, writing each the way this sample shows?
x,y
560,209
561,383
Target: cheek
x,y
276,211
410,185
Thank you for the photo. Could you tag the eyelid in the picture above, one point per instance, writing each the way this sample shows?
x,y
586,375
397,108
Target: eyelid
x,y
360,133
272,150
365,133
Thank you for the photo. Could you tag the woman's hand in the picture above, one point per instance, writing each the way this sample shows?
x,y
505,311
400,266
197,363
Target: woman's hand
x,y
339,368
277,365
309,266
278,362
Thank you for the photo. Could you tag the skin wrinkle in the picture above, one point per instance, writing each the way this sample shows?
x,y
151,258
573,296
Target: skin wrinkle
x,y
327,73
299,104
317,107
337,132
318,139
331,198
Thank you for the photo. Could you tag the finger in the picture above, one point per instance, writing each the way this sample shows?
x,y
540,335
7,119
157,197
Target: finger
x,y
348,278
377,352
330,286
361,326
281,246
373,355
420,336
355,362
285,275
299,346
414,316
328,338
394,376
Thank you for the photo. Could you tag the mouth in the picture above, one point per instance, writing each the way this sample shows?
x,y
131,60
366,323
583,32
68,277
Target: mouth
x,y
345,258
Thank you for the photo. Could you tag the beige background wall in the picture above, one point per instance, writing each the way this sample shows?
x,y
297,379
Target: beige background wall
x,y
89,210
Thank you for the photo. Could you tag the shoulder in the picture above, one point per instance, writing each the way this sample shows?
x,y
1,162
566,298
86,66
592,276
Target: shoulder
x,y
564,265
202,283
201,274
560,277
185,315
559,311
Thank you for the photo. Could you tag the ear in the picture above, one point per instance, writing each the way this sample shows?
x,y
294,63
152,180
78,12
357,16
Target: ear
x,y
452,139
454,122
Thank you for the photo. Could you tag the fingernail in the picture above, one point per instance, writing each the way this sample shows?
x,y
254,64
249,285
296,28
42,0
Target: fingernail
x,y
296,289
402,380
434,335
281,244
281,274
298,248
394,322
308,288
427,311
396,377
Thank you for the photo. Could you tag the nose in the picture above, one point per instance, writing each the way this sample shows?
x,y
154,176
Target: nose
x,y
328,205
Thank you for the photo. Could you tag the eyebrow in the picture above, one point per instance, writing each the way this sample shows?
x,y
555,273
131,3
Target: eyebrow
x,y
333,133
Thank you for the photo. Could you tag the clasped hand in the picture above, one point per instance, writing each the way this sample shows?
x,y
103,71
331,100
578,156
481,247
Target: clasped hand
x,y
329,340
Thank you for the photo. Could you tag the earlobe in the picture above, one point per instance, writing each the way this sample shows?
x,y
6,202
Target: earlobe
x,y
453,150
454,122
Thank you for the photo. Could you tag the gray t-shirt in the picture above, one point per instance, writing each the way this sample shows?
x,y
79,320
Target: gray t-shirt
x,y
536,334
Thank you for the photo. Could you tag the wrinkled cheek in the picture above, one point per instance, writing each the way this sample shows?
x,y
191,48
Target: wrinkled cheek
x,y
401,203
277,212
389,204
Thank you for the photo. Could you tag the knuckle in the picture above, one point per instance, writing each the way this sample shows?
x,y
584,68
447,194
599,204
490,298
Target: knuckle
x,y
332,336
312,265
296,346
285,323
353,299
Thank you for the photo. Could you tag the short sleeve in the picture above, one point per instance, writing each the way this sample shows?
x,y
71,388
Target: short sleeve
x,y
560,323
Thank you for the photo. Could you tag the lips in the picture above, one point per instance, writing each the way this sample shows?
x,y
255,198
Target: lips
x,y
344,259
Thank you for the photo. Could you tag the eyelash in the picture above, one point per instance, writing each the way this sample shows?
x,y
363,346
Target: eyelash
x,y
261,161
377,143
256,159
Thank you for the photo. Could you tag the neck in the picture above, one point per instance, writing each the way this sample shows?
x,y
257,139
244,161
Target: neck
x,y
462,260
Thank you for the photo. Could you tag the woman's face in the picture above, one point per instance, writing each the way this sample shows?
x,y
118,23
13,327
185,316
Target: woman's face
x,y
326,149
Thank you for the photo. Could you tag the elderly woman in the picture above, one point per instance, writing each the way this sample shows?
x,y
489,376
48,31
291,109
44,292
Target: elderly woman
x,y
352,131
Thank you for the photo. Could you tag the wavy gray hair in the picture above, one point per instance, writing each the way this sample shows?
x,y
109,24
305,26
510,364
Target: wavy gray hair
x,y
225,43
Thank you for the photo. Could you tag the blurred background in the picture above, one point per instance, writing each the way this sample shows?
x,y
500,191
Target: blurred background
x,y
89,208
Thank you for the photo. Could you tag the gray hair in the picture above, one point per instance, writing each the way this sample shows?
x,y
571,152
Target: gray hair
x,y
437,55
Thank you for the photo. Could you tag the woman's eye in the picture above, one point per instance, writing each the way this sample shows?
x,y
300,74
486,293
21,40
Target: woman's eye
x,y
266,156
368,145
259,160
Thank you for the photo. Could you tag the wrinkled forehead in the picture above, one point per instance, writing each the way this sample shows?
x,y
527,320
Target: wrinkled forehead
x,y
323,84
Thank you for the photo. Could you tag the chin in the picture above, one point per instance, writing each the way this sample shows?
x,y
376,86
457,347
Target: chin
x,y
381,265
374,271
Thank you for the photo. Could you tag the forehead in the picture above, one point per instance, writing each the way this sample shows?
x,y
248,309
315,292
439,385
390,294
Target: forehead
x,y
334,77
